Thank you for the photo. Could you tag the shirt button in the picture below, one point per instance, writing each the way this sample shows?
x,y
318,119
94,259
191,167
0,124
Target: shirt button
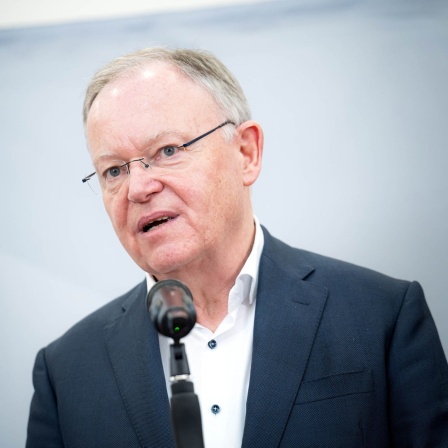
x,y
212,344
215,409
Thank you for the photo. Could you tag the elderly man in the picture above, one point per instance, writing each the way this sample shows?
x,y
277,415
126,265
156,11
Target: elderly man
x,y
290,349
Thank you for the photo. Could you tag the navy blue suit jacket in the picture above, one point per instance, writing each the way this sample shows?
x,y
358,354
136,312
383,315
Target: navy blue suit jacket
x,y
342,357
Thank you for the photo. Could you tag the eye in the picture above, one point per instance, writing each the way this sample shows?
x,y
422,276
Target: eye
x,y
169,151
114,172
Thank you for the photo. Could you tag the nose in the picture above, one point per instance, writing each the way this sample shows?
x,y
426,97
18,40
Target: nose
x,y
142,184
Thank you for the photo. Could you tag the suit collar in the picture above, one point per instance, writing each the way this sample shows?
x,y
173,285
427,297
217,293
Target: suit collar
x,y
287,316
133,346
289,259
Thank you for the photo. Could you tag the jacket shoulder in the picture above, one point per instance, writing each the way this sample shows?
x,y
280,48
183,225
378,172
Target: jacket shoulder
x,y
89,330
342,279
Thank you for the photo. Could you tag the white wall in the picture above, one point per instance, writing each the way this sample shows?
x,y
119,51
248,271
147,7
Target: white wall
x,y
21,13
354,102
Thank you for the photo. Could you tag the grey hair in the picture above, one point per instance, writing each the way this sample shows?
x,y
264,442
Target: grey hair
x,y
200,66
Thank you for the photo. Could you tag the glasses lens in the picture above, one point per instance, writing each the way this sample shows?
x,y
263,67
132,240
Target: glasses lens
x,y
93,185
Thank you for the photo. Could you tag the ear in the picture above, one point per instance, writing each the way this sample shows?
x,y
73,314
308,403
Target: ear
x,y
251,148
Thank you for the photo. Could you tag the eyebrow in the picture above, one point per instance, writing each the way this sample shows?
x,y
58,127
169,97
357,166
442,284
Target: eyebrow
x,y
147,143
168,133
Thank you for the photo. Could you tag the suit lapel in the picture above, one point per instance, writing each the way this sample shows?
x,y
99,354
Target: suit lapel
x,y
287,316
133,346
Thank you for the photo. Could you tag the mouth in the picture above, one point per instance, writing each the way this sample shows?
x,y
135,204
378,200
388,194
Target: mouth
x,y
150,225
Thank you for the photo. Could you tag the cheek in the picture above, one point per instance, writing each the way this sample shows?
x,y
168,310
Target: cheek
x,y
222,199
117,214
229,183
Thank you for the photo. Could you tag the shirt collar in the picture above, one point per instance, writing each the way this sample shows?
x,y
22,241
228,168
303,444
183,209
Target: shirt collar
x,y
249,272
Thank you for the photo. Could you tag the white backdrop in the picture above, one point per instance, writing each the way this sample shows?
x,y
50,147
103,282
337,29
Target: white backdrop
x,y
353,97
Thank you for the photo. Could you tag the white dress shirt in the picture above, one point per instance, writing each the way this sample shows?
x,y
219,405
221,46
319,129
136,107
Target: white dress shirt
x,y
220,362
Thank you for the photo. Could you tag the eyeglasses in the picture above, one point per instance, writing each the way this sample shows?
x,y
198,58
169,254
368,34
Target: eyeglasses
x,y
111,177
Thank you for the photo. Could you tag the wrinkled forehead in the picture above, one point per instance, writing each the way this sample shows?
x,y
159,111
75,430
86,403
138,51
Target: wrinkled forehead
x,y
151,100
159,85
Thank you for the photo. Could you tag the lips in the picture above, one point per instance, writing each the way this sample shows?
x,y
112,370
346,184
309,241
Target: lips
x,y
149,223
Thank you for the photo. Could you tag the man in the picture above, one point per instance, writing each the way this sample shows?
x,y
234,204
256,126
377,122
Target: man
x,y
290,349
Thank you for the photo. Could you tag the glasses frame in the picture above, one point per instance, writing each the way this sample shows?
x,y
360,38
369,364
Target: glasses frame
x,y
184,145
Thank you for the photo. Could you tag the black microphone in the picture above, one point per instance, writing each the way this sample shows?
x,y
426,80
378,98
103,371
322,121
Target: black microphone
x,y
171,309
170,306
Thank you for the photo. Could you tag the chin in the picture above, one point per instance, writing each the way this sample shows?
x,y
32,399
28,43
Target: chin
x,y
168,263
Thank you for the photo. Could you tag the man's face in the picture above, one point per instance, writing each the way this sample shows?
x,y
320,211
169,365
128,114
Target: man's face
x,y
206,200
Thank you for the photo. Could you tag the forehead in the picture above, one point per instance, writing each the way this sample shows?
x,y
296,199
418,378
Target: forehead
x,y
132,112
157,90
